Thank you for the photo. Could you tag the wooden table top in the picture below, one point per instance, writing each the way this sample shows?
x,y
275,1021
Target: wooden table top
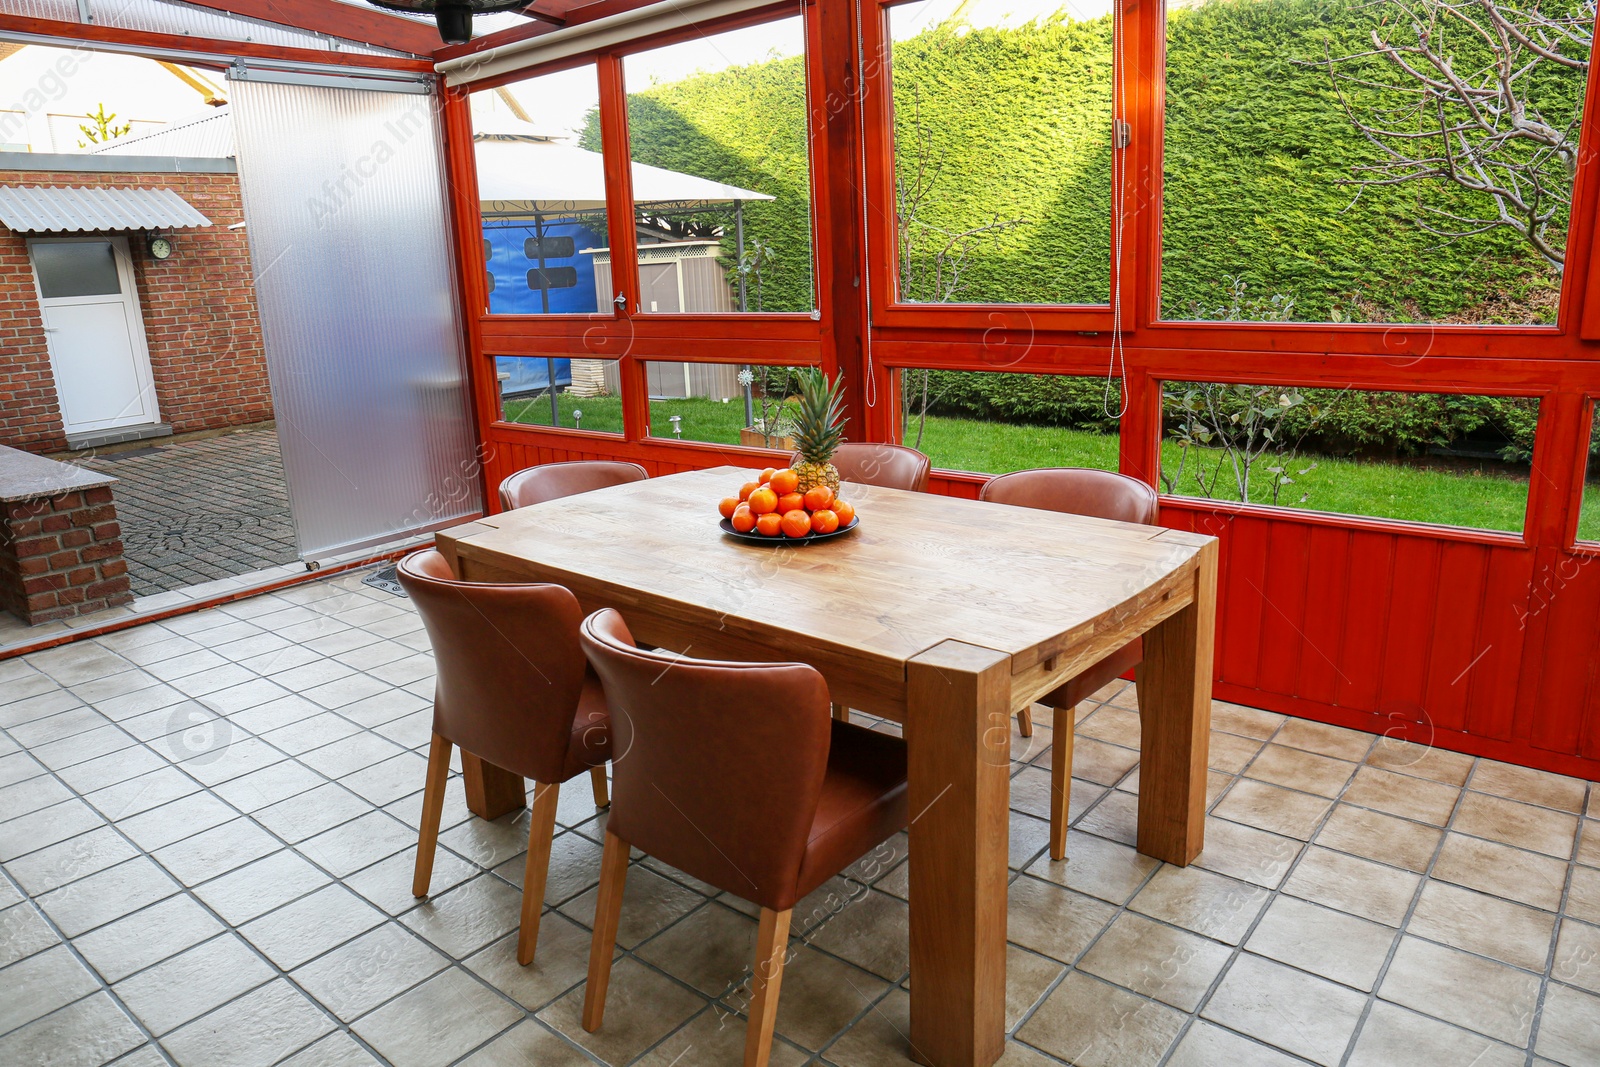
x,y
919,570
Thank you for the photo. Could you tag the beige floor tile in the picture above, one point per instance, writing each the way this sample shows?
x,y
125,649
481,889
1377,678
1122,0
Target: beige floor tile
x,y
216,851
1395,1037
1207,903
311,926
1247,722
1589,842
258,1029
1489,926
1402,795
1101,868
1114,725
22,933
1335,741
1095,761
1030,794
357,977
650,903
256,889
714,1038
561,961
1297,769
882,1037
1583,898
1090,1023
1499,869
1530,786
1028,975
56,865
1481,995
872,932
1156,960
1513,823
1244,852
145,937
106,895
468,917
1329,943
1569,1027
1230,753
1289,1009
86,1033
387,883
1360,887
1375,836
642,1007
525,1045
1208,1045
712,949
40,984
818,998
574,867
1274,809
1115,817
435,1022
192,983
1054,921
338,1049
358,843
1577,959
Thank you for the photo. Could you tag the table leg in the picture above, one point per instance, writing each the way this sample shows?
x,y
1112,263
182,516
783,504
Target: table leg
x,y
491,791
1175,716
958,732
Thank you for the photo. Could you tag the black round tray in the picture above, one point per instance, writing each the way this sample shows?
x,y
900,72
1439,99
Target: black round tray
x,y
762,539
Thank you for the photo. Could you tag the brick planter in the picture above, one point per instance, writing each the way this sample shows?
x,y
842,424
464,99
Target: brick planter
x,y
60,542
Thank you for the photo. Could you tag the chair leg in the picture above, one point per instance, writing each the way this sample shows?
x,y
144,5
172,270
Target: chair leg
x,y
772,946
432,806
541,831
1060,781
1025,722
597,779
841,712
607,912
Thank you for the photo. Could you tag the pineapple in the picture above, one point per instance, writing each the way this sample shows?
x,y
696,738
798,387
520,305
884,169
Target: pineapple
x,y
817,430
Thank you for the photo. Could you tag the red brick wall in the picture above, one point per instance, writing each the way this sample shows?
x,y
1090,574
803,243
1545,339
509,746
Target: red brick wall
x,y
199,310
62,556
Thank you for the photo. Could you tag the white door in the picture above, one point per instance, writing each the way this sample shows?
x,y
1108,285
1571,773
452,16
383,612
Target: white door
x,y
95,332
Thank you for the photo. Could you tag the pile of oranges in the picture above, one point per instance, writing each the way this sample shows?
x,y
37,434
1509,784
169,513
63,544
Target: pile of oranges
x,y
773,506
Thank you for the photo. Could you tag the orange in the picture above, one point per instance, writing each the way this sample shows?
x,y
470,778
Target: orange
x,y
747,489
824,521
784,481
791,502
796,523
743,519
818,497
845,512
729,505
762,501
766,475
770,524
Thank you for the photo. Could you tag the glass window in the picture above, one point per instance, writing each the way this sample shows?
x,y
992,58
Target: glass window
x,y
721,172
1002,143
579,394
1308,176
542,194
995,423
76,268
1589,510
1422,457
722,403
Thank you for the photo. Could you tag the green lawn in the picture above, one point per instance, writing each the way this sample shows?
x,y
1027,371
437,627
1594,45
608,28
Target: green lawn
x,y
1488,501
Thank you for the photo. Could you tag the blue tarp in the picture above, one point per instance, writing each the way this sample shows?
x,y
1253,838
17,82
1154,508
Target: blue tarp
x,y
509,264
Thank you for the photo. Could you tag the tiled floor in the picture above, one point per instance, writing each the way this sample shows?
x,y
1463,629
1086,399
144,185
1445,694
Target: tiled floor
x,y
207,830
193,511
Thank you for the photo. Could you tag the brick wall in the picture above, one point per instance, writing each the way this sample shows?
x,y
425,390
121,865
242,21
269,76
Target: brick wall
x,y
62,556
199,309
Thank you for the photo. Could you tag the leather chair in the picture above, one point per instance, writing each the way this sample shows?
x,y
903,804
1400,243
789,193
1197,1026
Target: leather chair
x,y
548,481
514,690
765,799
1075,491
876,463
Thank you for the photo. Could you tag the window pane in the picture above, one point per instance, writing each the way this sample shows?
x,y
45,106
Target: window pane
x,y
1421,457
1306,177
721,173
586,393
996,423
542,194
1589,511
722,403
76,268
1002,131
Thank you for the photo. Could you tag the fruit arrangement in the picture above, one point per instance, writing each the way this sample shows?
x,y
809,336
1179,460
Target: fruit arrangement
x,y
773,505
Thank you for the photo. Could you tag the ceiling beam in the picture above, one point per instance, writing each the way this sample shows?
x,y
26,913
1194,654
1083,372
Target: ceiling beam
x,y
364,25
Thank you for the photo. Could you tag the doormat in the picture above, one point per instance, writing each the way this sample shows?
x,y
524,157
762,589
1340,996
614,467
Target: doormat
x,y
385,578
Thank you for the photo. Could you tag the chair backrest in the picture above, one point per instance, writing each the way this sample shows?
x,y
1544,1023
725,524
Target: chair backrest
x,y
875,463
508,664
1076,491
548,481
716,767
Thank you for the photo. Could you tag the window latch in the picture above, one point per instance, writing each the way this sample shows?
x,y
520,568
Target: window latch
x,y
621,301
1121,134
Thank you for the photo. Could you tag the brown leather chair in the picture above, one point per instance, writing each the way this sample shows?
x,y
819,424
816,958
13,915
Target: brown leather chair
x,y
548,481
765,799
514,690
875,463
1076,491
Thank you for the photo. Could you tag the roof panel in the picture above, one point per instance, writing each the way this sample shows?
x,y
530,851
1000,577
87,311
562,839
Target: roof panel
x,y
41,209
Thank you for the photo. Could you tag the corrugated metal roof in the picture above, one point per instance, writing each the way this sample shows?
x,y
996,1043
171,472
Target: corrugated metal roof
x,y
37,209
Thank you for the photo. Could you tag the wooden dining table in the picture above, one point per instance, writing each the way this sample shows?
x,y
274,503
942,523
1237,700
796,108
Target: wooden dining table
x,y
941,614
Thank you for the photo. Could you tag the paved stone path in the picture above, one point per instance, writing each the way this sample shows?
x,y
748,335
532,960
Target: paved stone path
x,y
195,511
